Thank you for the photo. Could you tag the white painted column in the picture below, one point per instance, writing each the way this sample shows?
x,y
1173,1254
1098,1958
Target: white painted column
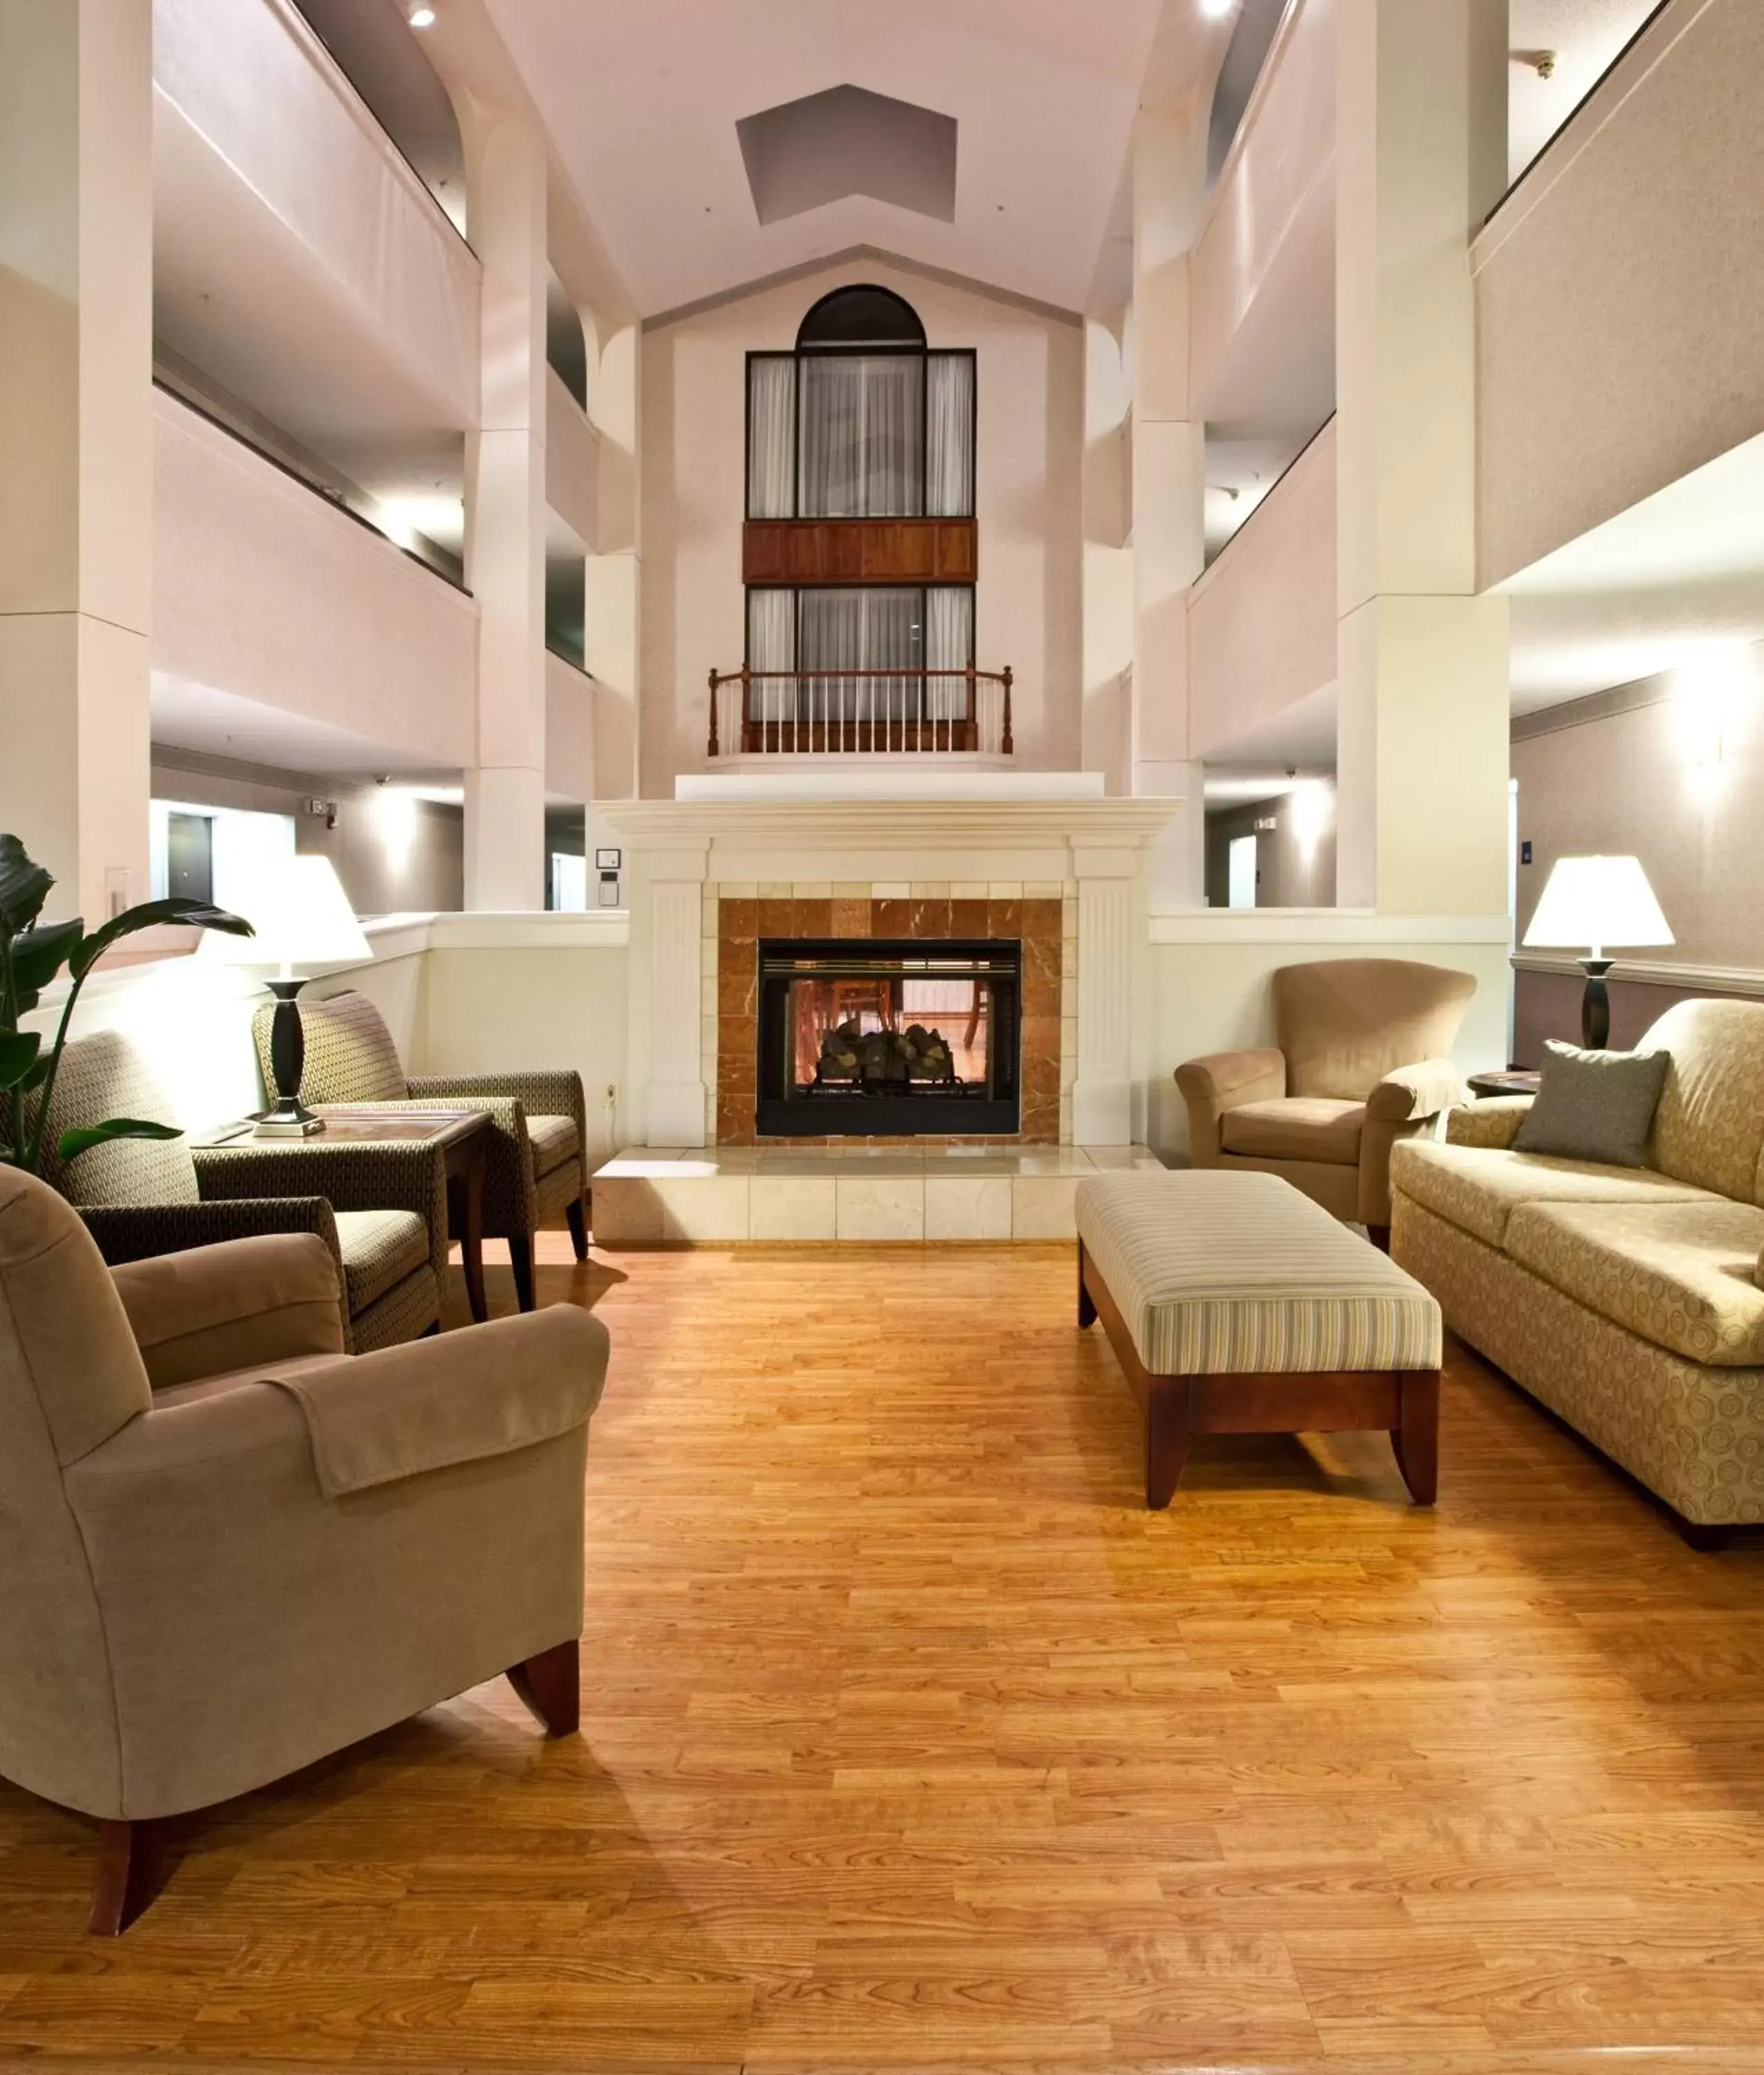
x,y
1169,493
77,441
505,520
672,898
1423,667
1111,932
614,573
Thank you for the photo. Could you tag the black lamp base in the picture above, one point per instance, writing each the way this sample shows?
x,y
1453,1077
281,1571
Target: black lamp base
x,y
287,1117
1595,1004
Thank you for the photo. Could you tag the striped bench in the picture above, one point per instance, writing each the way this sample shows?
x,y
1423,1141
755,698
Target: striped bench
x,y
1237,1306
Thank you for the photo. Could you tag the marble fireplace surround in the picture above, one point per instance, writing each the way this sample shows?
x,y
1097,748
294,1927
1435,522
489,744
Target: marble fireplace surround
x,y
1040,916
687,861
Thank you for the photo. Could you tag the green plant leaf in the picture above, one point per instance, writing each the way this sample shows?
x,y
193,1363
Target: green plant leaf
x,y
39,954
72,1144
194,915
24,885
18,1051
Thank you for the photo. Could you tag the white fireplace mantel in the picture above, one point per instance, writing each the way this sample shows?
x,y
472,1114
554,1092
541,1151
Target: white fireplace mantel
x,y
679,847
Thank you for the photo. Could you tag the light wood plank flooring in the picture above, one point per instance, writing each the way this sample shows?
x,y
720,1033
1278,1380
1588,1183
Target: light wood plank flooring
x,y
910,1739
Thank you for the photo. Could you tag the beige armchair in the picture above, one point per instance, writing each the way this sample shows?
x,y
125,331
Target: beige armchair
x,y
228,1549
1361,1060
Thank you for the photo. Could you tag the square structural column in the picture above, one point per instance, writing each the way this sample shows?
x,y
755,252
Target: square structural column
x,y
668,920
1423,669
1112,933
505,518
77,441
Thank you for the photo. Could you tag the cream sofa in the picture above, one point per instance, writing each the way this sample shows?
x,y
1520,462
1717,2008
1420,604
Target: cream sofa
x,y
1626,1299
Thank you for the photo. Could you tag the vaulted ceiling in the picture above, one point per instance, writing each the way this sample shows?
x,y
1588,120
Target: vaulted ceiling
x,y
643,102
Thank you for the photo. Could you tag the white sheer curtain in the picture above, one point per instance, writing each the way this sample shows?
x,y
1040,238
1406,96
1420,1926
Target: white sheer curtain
x,y
772,413
948,435
864,636
771,645
949,645
860,451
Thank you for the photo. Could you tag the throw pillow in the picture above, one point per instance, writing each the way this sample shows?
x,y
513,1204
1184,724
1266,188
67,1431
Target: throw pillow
x,y
1594,1105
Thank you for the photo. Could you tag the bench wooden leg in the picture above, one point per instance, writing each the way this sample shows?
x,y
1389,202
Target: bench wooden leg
x,y
1087,1311
1166,1438
1416,1440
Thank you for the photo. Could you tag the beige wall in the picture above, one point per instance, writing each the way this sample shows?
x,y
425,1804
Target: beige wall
x,y
1620,292
1262,622
1672,773
1030,433
262,591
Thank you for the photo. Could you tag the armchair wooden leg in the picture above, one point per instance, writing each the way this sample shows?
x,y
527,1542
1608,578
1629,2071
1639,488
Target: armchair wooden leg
x,y
577,1217
551,1685
131,1858
520,1259
1380,1236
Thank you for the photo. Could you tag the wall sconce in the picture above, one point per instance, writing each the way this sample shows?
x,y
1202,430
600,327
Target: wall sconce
x,y
1313,804
1706,697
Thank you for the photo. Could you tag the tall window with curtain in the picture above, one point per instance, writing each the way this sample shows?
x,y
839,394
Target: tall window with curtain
x,y
862,420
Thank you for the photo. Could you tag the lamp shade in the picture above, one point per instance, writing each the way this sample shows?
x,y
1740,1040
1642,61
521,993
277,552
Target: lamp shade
x,y
1596,901
302,917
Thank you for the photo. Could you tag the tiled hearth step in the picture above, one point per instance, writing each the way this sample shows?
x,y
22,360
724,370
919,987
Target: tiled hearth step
x,y
659,1196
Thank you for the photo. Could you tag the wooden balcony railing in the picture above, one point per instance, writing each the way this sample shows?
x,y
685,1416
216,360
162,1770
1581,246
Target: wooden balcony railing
x,y
860,712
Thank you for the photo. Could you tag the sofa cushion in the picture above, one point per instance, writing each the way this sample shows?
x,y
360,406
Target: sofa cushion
x,y
1681,1275
1709,1127
380,1249
1296,1127
553,1140
1478,1188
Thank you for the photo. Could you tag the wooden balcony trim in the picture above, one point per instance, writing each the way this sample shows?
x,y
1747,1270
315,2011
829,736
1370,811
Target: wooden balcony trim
x,y
805,554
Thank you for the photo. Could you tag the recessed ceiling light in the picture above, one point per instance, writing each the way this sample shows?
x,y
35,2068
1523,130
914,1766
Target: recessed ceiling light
x,y
422,18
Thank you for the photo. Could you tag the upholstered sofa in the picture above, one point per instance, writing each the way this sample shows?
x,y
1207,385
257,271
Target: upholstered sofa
x,y
1626,1299
1360,1061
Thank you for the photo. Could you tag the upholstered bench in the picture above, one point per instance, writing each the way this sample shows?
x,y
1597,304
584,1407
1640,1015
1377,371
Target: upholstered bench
x,y
1237,1306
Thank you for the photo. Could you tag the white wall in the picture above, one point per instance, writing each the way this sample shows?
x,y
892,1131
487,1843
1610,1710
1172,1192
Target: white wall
x,y
571,462
569,730
264,591
1030,435
1261,620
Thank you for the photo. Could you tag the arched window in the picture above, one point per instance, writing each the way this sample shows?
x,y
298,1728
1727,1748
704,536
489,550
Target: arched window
x,y
861,420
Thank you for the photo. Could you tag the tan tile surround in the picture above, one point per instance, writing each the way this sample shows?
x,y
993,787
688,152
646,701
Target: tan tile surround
x,y
1043,916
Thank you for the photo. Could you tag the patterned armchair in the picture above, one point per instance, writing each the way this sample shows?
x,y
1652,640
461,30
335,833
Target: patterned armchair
x,y
537,1163
381,1209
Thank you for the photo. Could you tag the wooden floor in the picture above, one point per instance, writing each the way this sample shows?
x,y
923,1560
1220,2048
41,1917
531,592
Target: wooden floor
x,y
911,1739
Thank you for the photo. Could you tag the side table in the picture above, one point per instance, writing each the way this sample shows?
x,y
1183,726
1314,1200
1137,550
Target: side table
x,y
463,1135
1513,1082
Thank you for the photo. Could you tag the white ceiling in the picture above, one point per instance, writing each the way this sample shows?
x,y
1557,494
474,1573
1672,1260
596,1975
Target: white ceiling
x,y
642,102
1648,589
191,716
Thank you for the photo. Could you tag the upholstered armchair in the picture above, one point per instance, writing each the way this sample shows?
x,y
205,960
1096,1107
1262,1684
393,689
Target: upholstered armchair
x,y
380,1210
1360,1060
537,1164
230,1549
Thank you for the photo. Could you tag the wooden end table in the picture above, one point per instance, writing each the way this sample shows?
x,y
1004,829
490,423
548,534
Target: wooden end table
x,y
463,1136
1514,1082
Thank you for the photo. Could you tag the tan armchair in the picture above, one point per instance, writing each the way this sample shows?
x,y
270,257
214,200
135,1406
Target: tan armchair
x,y
538,1160
228,1549
1361,1060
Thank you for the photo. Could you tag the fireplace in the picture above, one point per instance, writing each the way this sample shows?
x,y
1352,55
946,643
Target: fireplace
x,y
888,1038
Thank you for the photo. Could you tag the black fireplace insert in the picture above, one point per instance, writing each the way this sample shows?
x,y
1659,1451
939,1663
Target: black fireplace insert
x,y
888,1038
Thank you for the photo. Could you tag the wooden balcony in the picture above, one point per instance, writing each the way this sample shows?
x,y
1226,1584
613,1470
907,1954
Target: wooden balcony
x,y
804,713
801,552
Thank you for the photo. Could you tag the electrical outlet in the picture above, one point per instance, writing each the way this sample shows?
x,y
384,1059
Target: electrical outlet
x,y
612,1092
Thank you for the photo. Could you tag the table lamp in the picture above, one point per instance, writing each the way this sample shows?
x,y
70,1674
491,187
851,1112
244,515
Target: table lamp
x,y
302,917
1596,901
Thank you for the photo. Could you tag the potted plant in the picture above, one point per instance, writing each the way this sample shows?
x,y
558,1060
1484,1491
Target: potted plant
x,y
32,954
